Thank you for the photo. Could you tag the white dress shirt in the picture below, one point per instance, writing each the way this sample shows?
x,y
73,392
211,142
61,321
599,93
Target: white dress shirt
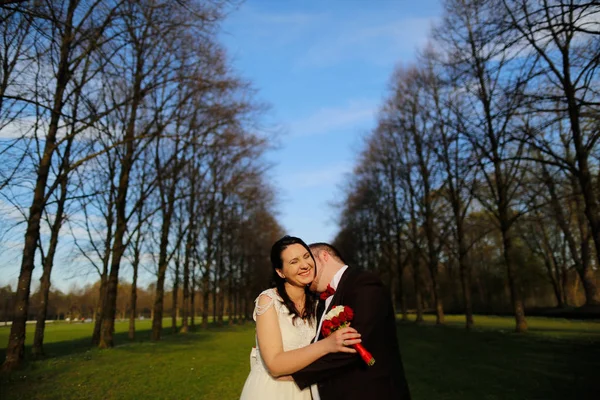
x,y
334,284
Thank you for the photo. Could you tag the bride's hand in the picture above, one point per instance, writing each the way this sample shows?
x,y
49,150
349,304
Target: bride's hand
x,y
339,340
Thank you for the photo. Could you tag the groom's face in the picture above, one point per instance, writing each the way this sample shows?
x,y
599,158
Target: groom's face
x,y
317,284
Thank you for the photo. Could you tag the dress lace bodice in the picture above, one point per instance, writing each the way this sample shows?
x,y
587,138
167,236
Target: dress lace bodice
x,y
294,334
260,385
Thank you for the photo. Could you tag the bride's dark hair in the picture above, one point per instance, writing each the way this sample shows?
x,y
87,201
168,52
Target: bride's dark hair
x,y
277,263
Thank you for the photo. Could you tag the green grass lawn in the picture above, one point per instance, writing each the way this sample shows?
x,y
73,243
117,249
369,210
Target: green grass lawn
x,y
557,359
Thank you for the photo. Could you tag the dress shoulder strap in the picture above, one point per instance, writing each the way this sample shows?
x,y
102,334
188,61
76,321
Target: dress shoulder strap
x,y
261,309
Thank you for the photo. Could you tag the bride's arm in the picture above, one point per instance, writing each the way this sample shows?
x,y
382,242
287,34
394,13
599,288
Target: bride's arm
x,y
281,362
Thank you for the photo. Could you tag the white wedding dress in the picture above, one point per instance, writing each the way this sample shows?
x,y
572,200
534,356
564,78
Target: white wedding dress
x,y
260,385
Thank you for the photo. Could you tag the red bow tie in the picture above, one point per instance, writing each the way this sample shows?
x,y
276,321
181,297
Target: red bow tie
x,y
328,292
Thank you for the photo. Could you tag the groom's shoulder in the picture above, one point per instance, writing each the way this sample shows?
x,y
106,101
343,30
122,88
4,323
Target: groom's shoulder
x,y
366,277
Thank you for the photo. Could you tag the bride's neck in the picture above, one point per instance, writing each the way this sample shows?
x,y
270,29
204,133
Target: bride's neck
x,y
295,293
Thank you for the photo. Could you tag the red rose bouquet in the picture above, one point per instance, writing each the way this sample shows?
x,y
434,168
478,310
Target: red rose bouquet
x,y
339,317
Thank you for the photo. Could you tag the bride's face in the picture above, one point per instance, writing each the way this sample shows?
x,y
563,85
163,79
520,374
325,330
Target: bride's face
x,y
298,266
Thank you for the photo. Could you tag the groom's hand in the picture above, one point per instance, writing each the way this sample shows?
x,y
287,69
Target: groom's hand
x,y
284,378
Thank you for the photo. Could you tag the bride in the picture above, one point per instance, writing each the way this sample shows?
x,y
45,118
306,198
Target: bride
x,y
285,326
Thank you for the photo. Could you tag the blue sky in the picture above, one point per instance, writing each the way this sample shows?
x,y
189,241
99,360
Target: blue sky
x,y
324,67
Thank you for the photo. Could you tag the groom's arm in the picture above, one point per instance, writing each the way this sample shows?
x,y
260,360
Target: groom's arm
x,y
369,301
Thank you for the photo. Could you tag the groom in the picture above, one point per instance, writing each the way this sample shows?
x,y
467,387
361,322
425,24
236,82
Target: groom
x,y
343,375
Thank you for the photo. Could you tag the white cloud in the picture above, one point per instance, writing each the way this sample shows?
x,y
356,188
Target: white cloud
x,y
375,42
18,128
327,119
277,28
329,175
286,19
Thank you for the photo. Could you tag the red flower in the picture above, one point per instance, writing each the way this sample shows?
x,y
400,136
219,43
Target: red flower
x,y
349,313
333,324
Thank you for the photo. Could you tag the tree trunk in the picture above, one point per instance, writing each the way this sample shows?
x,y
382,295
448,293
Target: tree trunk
x,y
556,287
418,287
465,276
565,284
432,254
401,298
230,301
215,292
236,309
437,299
15,351
221,309
580,254
174,294
109,305
221,294
133,301
186,287
552,268
463,262
189,247
105,263
38,340
99,312
157,309
585,270
193,297
167,195
515,296
399,263
592,210
206,280
205,297
186,296
37,350
230,292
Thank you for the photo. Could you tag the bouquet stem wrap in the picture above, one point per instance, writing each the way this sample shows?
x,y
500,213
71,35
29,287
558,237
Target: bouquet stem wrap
x,y
340,317
364,354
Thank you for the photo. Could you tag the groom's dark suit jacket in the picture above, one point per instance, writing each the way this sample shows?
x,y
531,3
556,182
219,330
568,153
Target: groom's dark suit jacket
x,y
346,376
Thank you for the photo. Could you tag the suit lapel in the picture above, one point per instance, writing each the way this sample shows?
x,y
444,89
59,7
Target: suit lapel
x,y
336,297
320,309
319,315
340,288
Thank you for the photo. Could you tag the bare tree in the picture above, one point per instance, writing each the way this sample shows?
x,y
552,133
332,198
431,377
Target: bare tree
x,y
562,38
17,57
493,87
453,152
74,40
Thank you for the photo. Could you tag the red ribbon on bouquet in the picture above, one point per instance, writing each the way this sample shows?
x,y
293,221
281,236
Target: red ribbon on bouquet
x,y
339,317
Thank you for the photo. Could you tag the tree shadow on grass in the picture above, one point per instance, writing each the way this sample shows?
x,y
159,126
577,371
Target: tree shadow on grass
x,y
167,345
451,363
121,340
577,333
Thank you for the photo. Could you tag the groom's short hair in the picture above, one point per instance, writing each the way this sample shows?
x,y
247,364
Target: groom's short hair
x,y
321,246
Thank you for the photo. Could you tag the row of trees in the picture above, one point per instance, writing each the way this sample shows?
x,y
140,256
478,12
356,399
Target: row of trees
x,y
81,303
128,139
74,304
486,156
